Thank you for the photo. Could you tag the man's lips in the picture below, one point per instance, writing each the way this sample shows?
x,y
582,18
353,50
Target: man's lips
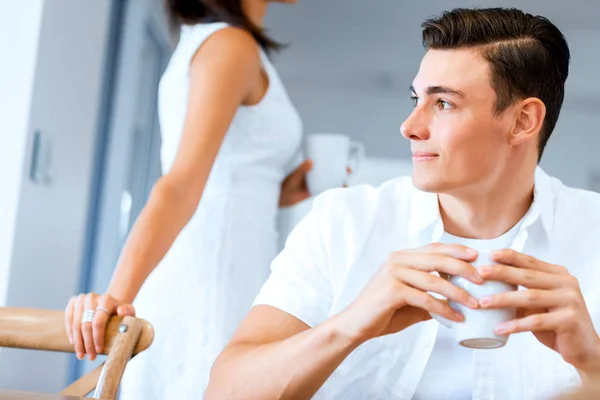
x,y
423,156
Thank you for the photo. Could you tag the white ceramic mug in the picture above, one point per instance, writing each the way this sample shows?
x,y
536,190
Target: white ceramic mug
x,y
477,330
331,154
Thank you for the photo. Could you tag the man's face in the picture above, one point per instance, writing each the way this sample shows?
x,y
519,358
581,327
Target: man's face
x,y
458,142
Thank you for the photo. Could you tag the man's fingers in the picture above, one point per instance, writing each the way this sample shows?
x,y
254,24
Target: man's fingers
x,y
452,250
438,263
531,279
534,323
417,298
520,260
526,299
431,283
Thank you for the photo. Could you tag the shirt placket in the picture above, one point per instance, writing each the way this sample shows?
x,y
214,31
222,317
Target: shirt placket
x,y
415,365
419,357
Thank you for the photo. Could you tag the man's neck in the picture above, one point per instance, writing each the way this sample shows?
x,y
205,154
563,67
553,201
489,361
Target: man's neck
x,y
489,213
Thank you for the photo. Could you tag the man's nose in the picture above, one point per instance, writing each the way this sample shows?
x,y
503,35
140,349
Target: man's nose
x,y
415,127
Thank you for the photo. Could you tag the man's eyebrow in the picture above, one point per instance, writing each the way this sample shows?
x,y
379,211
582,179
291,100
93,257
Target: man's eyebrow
x,y
440,89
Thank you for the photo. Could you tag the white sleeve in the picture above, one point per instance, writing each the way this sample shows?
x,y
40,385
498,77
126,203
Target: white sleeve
x,y
299,283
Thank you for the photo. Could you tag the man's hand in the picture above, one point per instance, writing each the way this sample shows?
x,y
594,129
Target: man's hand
x,y
396,297
552,307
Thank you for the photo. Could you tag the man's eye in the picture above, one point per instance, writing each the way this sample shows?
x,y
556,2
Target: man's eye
x,y
443,105
415,100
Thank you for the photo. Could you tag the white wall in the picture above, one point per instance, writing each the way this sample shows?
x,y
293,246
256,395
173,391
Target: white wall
x,y
51,220
19,31
572,153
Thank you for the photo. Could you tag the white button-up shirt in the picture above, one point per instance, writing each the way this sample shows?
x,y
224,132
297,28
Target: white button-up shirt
x,y
335,250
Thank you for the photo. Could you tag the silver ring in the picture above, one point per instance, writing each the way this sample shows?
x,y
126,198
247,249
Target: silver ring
x,y
88,316
100,308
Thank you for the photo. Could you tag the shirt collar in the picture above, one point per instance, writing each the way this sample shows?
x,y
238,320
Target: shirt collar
x,y
425,211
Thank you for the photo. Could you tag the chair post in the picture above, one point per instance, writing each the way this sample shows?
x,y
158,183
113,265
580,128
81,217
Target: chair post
x,y
84,385
36,329
114,367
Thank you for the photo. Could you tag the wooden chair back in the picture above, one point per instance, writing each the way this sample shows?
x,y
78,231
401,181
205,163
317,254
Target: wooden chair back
x,y
35,329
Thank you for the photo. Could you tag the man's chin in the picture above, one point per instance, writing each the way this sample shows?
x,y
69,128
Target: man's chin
x,y
424,184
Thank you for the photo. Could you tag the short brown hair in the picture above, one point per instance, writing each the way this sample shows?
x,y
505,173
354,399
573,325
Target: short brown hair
x,y
528,54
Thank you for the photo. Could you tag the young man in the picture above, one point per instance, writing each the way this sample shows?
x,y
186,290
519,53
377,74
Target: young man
x,y
345,313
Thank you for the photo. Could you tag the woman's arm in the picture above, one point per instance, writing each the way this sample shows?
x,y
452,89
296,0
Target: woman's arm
x,y
223,74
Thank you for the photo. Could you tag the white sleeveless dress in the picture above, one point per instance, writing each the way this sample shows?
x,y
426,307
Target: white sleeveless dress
x,y
208,280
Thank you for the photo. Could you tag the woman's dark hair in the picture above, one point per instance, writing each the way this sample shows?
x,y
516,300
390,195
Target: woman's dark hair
x,y
230,11
528,55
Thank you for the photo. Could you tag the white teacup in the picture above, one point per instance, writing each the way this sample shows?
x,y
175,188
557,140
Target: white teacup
x,y
331,154
477,330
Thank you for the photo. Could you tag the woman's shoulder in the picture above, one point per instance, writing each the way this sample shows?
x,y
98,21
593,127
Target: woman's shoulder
x,y
213,41
219,38
221,32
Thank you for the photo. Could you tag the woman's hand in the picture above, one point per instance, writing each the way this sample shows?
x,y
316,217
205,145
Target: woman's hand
x,y
294,188
88,336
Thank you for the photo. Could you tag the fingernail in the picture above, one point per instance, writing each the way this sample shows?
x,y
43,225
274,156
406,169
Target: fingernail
x,y
472,302
80,356
478,277
484,269
98,350
495,253
70,340
485,301
501,329
459,316
472,252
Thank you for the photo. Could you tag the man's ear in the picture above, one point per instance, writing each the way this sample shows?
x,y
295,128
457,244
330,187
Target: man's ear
x,y
530,115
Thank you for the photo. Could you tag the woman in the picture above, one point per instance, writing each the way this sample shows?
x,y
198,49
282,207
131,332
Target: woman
x,y
229,131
